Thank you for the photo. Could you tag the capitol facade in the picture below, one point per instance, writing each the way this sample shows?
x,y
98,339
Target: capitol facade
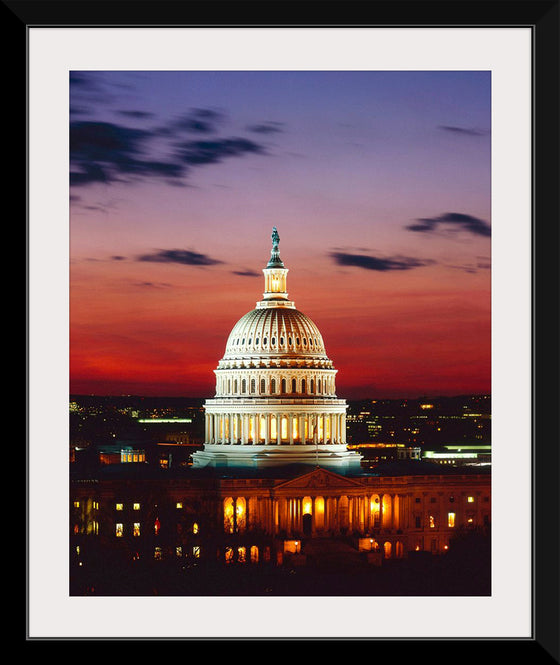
x,y
275,401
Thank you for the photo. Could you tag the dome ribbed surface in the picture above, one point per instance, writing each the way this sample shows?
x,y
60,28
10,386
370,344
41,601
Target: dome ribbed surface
x,y
276,331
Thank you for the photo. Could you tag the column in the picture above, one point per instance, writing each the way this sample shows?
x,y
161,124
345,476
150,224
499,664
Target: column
x,y
266,428
291,429
245,429
278,429
301,430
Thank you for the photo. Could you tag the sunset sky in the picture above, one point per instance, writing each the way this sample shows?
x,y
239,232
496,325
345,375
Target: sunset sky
x,y
378,183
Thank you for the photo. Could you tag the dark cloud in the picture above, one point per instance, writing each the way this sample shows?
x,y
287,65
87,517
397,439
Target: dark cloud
x,y
454,220
153,285
197,120
377,263
89,89
78,110
106,152
182,256
80,80
136,114
268,127
246,273
466,131
196,153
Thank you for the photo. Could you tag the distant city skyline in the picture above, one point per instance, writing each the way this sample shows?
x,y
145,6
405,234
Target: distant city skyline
x,y
378,183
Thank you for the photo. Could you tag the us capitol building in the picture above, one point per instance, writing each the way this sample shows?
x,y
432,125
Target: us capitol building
x,y
275,476
276,400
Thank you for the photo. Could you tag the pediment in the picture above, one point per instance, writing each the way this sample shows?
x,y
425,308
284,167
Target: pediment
x,y
319,479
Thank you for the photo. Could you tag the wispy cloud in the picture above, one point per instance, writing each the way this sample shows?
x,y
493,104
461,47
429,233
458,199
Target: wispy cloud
x,y
380,264
246,273
196,120
105,152
268,127
213,152
181,256
453,221
465,131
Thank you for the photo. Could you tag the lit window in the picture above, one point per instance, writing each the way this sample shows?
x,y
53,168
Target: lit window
x,y
118,506
76,504
432,521
136,529
196,552
179,551
136,506
179,505
195,528
119,528
451,520
470,499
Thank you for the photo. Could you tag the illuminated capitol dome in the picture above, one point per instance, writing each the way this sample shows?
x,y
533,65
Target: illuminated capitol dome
x,y
275,401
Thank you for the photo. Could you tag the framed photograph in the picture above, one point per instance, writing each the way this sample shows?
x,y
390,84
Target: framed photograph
x,y
403,169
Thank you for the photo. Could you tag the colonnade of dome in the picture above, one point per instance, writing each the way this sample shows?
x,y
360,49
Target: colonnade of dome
x,y
275,428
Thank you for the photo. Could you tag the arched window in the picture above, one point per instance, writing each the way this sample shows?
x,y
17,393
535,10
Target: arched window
x,y
312,386
263,386
244,386
303,385
273,385
283,388
294,386
253,386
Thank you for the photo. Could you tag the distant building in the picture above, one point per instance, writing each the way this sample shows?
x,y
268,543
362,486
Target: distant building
x,y
458,455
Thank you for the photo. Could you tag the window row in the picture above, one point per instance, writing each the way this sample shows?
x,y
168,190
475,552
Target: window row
x,y
432,521
320,386
468,499
135,530
288,341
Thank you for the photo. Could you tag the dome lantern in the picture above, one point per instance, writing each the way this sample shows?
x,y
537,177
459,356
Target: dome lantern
x,y
275,276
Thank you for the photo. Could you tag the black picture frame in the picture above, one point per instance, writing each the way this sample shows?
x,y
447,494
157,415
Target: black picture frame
x,y
543,19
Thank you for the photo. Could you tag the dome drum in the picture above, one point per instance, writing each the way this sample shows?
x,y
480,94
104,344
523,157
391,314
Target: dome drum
x,y
271,382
